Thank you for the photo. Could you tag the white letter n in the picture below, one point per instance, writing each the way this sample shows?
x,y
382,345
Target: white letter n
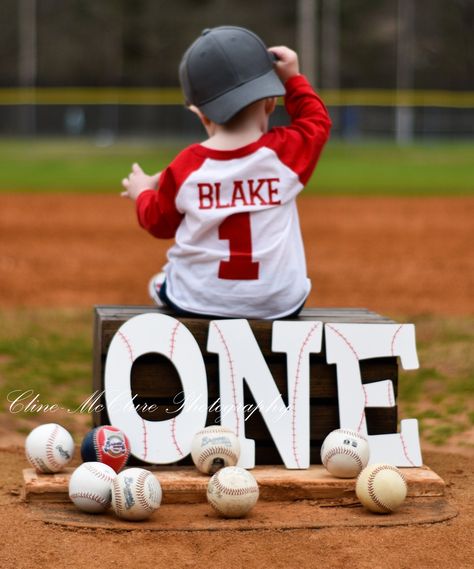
x,y
240,358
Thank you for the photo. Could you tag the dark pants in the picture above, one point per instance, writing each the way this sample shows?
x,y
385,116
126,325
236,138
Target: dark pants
x,y
165,299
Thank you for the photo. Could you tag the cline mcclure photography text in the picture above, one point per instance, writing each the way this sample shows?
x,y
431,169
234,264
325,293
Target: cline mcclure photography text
x,y
27,401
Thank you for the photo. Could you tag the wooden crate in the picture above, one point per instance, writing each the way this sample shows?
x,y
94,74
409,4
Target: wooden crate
x,y
155,380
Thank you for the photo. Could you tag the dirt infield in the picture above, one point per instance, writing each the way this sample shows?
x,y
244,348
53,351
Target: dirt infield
x,y
28,542
396,256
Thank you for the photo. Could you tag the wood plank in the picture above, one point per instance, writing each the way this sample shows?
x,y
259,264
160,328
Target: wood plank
x,y
111,318
276,483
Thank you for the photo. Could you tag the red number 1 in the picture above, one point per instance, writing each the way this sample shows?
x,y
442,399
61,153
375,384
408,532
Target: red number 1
x,y
236,229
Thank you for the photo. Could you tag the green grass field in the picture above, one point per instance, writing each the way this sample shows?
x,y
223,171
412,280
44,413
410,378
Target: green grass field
x,y
375,168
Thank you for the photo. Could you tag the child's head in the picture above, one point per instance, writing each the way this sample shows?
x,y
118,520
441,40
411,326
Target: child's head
x,y
226,70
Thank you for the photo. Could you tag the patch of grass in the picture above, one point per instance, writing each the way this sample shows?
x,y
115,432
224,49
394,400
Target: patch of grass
x,y
440,393
383,168
68,166
456,409
441,433
429,414
414,383
361,169
45,359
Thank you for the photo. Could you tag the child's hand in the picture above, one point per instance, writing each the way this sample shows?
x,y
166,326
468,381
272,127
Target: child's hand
x,y
137,182
286,65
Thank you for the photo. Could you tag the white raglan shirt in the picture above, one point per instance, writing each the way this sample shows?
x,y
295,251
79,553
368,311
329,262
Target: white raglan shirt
x,y
238,248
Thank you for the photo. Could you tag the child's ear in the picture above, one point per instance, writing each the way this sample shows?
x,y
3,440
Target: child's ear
x,y
207,123
202,117
270,105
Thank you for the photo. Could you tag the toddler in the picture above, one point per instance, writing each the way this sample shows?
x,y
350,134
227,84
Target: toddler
x,y
230,201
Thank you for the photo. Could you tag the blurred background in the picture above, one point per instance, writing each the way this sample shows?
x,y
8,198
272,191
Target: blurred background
x,y
397,69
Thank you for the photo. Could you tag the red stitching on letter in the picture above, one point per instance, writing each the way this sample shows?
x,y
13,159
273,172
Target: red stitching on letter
x,y
344,339
392,345
351,347
295,391
232,378
173,434
405,452
173,339
145,443
127,343
363,410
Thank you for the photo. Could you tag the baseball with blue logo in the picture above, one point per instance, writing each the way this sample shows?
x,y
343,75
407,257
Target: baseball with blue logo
x,y
106,444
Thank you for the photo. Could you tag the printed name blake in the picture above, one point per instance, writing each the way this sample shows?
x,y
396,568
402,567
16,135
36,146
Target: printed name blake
x,y
243,192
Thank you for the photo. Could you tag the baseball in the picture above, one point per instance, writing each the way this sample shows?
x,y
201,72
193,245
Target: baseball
x,y
232,492
136,494
49,448
213,448
106,444
90,487
345,453
381,488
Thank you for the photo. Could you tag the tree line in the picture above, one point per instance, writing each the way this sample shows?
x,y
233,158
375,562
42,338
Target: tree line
x,y
140,42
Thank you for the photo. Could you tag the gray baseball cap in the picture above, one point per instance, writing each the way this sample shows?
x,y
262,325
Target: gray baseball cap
x,y
226,69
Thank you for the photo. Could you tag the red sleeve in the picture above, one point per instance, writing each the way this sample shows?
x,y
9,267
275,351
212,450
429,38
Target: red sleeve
x,y
299,144
156,209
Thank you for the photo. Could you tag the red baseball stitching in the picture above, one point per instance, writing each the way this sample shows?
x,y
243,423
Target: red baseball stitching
x,y
392,345
405,451
223,489
88,495
213,503
371,489
173,339
127,343
295,392
342,450
392,350
50,451
173,434
38,464
99,474
232,378
145,440
351,433
366,401
217,430
218,450
95,442
140,491
173,421
130,351
351,347
344,339
117,496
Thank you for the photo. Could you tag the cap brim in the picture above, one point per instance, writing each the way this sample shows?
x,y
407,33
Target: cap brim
x,y
223,108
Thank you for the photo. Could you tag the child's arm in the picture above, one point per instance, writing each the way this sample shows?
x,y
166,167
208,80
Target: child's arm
x,y
138,182
299,145
156,210
286,62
